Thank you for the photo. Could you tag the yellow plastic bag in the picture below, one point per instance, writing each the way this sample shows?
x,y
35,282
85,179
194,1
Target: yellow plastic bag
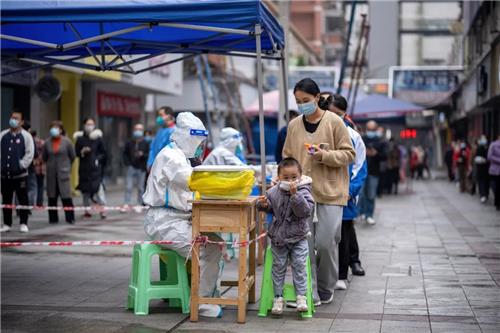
x,y
222,184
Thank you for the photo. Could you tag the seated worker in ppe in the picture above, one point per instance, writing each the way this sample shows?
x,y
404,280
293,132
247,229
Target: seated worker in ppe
x,y
229,151
167,195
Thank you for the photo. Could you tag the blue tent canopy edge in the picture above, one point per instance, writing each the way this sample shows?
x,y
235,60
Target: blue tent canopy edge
x,y
42,30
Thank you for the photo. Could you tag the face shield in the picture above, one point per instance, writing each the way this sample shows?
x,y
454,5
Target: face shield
x,y
190,135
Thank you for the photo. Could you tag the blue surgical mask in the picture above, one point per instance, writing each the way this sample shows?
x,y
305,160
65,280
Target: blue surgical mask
x,y
55,132
138,134
160,121
307,108
371,134
148,138
199,152
240,153
483,142
13,123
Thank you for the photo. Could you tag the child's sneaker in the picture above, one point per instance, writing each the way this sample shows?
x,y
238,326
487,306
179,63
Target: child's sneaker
x,y
302,304
278,306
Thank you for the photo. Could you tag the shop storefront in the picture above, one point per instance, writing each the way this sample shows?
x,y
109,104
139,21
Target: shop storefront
x,y
117,114
16,91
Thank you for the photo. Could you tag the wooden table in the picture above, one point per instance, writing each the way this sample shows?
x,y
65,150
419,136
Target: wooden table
x,y
231,216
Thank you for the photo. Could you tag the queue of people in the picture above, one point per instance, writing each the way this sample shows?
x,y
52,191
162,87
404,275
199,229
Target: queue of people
x,y
475,167
321,184
329,176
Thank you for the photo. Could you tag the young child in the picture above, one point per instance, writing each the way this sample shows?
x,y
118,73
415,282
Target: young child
x,y
292,205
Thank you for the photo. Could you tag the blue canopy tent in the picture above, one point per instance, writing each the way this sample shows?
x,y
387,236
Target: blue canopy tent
x,y
63,32
378,106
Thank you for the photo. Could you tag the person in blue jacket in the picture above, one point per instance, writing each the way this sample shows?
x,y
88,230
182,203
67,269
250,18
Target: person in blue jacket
x,y
166,121
348,246
278,154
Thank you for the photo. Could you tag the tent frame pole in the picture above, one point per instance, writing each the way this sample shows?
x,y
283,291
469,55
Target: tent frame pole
x,y
284,75
173,50
29,41
207,28
258,42
103,36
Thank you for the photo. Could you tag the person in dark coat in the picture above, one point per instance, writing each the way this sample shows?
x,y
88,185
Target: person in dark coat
x,y
58,154
282,136
89,147
482,165
135,157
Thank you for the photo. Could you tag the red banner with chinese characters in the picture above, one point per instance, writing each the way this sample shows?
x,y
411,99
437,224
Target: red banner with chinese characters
x,y
116,105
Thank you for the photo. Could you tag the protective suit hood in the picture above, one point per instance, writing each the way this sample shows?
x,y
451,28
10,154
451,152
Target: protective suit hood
x,y
230,138
189,134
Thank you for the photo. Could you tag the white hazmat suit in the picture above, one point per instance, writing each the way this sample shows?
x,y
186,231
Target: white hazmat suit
x,y
167,195
227,150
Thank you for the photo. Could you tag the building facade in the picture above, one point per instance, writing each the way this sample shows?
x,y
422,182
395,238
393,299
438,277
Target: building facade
x,y
477,100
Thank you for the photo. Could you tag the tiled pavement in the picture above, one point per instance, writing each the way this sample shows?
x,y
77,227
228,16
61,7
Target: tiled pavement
x,y
432,262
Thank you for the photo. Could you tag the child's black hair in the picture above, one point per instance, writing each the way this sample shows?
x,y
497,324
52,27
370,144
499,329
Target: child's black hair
x,y
287,162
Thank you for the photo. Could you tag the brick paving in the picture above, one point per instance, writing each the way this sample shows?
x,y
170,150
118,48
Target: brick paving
x,y
432,263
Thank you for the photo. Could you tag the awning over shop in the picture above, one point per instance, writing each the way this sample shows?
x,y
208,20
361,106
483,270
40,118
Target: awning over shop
x,y
65,31
380,106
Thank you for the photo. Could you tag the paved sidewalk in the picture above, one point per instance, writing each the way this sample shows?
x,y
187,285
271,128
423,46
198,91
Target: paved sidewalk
x,y
432,262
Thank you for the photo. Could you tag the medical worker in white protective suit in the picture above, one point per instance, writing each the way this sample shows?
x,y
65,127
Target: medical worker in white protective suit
x,y
167,194
229,151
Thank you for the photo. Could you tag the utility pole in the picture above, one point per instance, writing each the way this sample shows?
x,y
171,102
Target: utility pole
x,y
358,74
356,56
345,57
284,12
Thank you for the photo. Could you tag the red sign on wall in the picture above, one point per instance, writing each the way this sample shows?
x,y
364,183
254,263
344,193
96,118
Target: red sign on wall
x,y
408,133
111,104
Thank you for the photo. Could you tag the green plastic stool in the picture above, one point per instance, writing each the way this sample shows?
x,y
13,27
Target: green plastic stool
x,y
267,289
173,284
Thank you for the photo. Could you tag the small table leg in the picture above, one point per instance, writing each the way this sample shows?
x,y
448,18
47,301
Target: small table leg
x,y
242,287
195,267
251,263
261,248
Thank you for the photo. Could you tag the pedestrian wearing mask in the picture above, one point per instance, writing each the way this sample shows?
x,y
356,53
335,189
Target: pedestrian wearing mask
x,y
89,148
292,205
135,156
482,165
17,150
166,121
39,165
326,160
58,154
348,246
462,161
494,171
375,154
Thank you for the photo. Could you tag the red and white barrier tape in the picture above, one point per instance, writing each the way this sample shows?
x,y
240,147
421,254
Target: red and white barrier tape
x,y
200,239
124,208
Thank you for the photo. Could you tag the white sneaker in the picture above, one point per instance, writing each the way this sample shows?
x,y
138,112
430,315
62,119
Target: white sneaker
x,y
340,285
362,217
483,199
302,304
23,228
5,228
370,220
277,306
210,310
